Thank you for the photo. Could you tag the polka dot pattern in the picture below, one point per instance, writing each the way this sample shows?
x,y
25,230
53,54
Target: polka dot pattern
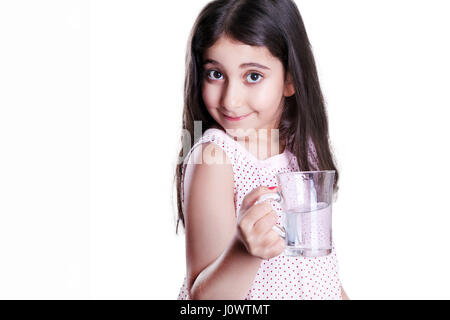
x,y
282,277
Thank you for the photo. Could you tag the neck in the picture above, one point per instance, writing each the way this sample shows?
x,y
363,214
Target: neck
x,y
268,143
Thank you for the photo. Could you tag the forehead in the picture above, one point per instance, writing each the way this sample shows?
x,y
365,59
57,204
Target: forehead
x,y
232,53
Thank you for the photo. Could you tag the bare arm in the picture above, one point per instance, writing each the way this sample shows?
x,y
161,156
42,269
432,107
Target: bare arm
x,y
219,266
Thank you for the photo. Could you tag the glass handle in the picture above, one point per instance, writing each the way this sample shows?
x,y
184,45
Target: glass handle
x,y
280,230
277,197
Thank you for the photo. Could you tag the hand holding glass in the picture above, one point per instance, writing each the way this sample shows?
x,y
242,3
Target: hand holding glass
x,y
306,199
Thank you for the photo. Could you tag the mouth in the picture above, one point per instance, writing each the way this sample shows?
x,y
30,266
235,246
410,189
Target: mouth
x,y
236,118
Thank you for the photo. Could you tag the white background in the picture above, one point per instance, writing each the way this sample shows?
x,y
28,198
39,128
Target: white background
x,y
90,118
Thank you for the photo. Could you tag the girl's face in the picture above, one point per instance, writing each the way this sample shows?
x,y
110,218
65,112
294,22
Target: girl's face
x,y
243,86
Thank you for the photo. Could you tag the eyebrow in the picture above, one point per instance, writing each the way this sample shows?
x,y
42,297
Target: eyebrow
x,y
247,64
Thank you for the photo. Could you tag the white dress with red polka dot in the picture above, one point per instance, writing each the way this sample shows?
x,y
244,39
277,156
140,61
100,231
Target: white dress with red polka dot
x,y
281,277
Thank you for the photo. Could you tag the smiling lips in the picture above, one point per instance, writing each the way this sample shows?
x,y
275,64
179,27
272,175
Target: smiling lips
x,y
236,118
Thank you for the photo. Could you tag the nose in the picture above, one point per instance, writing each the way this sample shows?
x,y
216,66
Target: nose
x,y
233,97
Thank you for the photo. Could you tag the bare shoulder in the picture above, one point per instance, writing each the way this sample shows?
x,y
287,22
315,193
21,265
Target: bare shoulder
x,y
210,167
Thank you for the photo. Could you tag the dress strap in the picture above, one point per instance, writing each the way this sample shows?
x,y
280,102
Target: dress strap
x,y
219,138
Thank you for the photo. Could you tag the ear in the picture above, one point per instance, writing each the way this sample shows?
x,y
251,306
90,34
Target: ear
x,y
289,89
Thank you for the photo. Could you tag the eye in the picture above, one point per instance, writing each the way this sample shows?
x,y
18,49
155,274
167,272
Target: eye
x,y
254,77
214,73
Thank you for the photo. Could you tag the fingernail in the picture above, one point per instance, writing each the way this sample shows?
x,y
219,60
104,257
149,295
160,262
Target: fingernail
x,y
271,188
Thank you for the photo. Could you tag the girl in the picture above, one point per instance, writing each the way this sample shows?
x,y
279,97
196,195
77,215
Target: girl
x,y
251,76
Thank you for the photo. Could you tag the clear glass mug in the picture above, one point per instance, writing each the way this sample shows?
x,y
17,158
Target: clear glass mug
x,y
306,198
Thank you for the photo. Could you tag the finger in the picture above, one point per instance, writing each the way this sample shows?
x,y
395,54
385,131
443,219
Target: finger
x,y
266,223
275,246
253,196
256,212
270,238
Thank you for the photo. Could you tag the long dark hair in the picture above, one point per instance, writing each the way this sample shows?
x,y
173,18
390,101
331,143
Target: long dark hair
x,y
277,25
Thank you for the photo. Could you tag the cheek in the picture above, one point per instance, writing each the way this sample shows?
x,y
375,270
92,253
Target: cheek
x,y
267,98
206,96
210,97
